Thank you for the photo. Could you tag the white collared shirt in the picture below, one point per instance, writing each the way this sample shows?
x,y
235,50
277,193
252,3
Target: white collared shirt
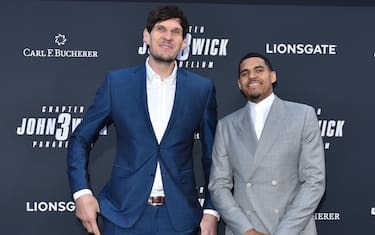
x,y
160,98
259,112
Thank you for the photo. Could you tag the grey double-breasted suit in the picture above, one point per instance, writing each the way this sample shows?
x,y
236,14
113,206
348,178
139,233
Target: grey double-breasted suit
x,y
273,184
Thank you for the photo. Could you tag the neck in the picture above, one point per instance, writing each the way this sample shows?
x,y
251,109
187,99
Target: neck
x,y
162,68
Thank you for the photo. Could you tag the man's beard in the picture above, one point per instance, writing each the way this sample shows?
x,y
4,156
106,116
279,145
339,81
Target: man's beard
x,y
163,59
254,96
251,97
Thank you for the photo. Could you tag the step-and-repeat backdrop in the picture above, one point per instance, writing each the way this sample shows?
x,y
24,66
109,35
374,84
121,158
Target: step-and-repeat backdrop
x,y
54,55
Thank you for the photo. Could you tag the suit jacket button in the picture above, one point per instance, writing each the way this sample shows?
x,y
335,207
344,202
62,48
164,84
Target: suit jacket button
x,y
276,211
248,185
274,182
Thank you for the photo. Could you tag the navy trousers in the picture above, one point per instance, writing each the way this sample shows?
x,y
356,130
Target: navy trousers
x,y
154,221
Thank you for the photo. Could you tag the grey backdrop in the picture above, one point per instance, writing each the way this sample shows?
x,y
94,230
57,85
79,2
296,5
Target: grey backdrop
x,y
45,91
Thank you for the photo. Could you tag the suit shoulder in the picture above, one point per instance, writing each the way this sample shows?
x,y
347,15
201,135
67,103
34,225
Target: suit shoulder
x,y
233,117
124,73
295,106
194,76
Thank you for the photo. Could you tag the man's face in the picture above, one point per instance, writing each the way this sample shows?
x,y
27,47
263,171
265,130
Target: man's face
x,y
255,79
165,40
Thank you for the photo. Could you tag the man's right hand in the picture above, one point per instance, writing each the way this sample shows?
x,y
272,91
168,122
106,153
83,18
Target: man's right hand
x,y
87,209
253,232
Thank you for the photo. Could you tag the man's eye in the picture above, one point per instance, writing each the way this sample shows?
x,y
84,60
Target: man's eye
x,y
177,32
243,74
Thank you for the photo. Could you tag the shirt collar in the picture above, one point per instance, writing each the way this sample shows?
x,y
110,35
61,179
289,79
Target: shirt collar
x,y
154,77
264,104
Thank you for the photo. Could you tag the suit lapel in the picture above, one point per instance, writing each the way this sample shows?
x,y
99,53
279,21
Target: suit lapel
x,y
246,130
271,132
180,93
141,95
246,137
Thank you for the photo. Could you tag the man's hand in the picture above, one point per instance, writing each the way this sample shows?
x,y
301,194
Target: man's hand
x,y
253,232
208,225
87,209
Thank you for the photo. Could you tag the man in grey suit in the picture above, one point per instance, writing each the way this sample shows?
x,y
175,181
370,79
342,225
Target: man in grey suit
x,y
268,170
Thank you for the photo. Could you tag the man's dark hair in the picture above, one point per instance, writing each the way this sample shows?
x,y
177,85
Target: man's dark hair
x,y
255,54
165,13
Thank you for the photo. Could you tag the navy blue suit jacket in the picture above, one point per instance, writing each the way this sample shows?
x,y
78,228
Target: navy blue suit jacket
x,y
122,101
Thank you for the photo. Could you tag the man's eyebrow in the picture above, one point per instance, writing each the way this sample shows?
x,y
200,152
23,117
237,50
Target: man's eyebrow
x,y
259,66
256,67
244,70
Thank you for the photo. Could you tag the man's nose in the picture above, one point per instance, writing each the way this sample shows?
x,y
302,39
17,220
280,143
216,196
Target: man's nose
x,y
168,35
251,75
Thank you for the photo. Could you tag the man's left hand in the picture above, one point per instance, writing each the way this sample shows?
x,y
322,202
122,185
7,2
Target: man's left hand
x,y
208,225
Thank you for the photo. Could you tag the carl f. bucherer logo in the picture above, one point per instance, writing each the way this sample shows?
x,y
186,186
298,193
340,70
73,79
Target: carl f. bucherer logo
x,y
60,39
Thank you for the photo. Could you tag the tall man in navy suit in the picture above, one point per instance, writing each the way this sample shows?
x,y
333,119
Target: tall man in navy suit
x,y
156,108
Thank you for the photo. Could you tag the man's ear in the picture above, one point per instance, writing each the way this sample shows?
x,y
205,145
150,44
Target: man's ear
x,y
273,77
184,44
239,84
146,37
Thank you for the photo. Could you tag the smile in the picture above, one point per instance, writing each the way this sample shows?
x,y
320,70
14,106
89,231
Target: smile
x,y
253,84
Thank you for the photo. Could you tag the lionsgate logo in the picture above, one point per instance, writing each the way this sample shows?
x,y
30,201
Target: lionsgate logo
x,y
50,206
300,49
52,126
330,128
200,50
60,40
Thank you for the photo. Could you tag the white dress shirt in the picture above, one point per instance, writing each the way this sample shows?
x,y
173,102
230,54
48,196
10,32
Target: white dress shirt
x,y
160,98
259,113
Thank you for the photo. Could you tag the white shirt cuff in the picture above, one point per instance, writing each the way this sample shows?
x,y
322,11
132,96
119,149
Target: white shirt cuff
x,y
81,192
212,212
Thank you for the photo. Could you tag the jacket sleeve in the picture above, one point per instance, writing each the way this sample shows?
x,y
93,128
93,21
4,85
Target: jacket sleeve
x,y
85,135
207,128
312,178
221,185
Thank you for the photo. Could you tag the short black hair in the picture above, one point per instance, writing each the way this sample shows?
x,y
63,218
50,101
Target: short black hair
x,y
255,54
167,12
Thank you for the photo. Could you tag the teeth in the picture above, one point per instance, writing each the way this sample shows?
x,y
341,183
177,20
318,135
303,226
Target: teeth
x,y
253,84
